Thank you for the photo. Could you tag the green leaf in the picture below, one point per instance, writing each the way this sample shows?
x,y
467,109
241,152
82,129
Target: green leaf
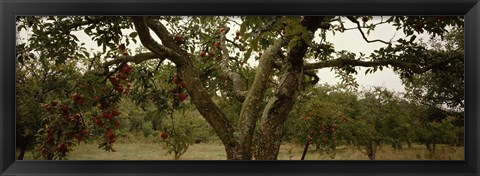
x,y
74,37
294,42
20,27
366,71
265,43
133,34
412,38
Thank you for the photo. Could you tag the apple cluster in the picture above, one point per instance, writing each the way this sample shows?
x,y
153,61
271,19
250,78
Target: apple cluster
x,y
107,121
63,125
323,131
179,90
121,79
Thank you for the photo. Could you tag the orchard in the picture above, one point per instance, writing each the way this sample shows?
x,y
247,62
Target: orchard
x,y
253,81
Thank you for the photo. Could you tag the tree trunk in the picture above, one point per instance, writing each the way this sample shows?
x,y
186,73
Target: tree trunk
x,y
276,112
209,110
429,147
22,145
275,115
250,108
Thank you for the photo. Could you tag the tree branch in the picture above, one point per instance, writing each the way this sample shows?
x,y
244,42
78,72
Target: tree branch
x,y
234,76
122,60
161,31
139,58
341,62
152,45
77,24
314,76
359,27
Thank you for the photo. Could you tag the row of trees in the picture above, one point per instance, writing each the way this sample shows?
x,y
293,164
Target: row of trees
x,y
202,60
331,116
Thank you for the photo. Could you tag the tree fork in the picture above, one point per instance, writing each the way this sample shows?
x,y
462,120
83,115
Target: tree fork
x,y
250,107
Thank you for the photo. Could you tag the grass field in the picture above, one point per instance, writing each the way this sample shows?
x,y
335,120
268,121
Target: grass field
x,y
140,149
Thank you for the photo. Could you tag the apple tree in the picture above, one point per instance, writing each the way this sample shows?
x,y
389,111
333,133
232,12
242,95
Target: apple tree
x,y
260,62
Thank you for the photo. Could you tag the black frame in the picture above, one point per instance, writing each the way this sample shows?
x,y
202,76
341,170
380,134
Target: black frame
x,y
10,8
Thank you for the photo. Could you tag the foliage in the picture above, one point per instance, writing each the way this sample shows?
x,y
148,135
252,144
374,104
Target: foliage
x,y
198,63
320,117
429,88
184,129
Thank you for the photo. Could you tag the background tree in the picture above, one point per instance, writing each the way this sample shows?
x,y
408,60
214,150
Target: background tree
x,y
209,66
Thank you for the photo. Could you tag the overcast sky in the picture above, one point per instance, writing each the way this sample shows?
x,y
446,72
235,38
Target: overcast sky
x,y
352,40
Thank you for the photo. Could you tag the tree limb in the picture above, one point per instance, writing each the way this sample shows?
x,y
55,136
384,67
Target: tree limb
x,y
359,27
139,58
250,111
313,75
122,60
161,31
234,76
152,45
341,62
77,24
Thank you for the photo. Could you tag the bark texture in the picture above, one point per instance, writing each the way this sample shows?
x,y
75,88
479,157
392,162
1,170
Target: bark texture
x,y
251,106
276,112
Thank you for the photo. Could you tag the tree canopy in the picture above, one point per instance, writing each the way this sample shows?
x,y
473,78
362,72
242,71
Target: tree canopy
x,y
208,64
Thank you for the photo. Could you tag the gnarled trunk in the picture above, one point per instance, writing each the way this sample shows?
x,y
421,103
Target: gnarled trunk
x,y
276,112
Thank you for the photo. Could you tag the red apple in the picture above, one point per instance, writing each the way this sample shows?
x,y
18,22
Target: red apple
x,y
203,53
115,112
64,108
182,96
54,102
119,89
47,107
175,80
61,147
126,69
164,135
97,121
121,47
178,39
76,97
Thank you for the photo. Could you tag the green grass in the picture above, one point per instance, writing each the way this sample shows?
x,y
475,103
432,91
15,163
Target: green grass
x,y
138,148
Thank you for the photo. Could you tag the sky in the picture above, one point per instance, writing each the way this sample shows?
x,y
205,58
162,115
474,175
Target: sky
x,y
350,40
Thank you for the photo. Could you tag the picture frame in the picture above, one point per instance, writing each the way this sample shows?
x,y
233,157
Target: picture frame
x,y
9,9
